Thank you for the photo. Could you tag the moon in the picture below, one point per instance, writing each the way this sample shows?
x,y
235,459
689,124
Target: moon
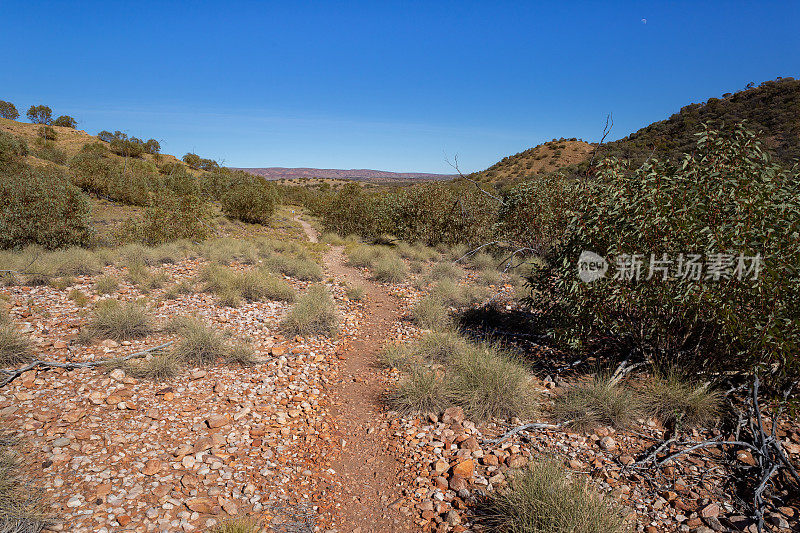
x,y
644,21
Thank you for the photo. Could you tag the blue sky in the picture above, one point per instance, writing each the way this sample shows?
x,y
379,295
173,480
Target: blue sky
x,y
386,85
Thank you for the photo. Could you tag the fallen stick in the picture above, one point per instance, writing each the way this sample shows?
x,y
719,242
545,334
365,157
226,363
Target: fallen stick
x,y
535,425
14,374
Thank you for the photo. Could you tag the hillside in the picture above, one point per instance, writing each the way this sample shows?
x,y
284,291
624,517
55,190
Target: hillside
x,y
772,108
360,174
541,159
68,140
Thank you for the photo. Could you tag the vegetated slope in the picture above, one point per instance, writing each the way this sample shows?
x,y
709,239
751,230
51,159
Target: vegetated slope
x,y
276,173
68,140
772,108
541,159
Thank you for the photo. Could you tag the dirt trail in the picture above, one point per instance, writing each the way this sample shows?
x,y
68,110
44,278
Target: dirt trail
x,y
369,475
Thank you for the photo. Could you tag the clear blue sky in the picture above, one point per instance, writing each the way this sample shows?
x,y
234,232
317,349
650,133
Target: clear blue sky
x,y
383,85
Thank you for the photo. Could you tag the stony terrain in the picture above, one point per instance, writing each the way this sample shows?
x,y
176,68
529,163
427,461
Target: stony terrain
x,y
301,441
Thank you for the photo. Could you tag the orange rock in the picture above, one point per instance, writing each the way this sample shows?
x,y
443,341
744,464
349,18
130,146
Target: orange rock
x,y
152,467
201,505
464,469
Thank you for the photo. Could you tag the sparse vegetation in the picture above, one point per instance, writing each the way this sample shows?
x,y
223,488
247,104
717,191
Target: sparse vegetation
x,y
598,401
106,285
544,498
200,344
22,508
423,391
429,313
313,314
390,269
239,525
120,320
158,367
14,347
675,399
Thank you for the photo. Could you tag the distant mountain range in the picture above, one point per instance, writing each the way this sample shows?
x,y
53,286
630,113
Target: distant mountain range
x,y
361,174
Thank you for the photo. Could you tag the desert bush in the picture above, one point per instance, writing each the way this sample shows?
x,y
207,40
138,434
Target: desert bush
x,y
120,321
544,498
364,255
128,183
428,313
332,238
191,159
727,198
598,401
199,344
41,207
536,212
15,349
390,269
226,250
239,525
171,218
49,152
73,262
396,355
78,297
106,285
313,314
62,283
250,199
675,399
121,144
8,110
355,293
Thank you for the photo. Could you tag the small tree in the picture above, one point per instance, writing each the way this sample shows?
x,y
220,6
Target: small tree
x,y
65,121
8,110
152,146
105,136
192,159
40,114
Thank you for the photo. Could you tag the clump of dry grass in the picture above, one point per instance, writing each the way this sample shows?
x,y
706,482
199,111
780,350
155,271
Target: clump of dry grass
x,y
252,285
543,498
423,391
62,283
395,355
120,321
241,354
355,293
78,297
675,399
159,367
199,344
488,381
446,270
15,348
390,269
428,313
106,285
21,505
239,525
313,314
298,266
598,401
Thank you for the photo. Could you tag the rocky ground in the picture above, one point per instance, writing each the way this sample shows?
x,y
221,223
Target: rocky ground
x,y
286,442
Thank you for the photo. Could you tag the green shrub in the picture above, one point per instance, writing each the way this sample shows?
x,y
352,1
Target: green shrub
x,y
41,207
14,348
727,198
543,498
313,314
191,159
250,199
120,321
171,218
129,182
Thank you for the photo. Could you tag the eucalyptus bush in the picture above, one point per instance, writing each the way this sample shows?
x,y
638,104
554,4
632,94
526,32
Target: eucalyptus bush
x,y
727,201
